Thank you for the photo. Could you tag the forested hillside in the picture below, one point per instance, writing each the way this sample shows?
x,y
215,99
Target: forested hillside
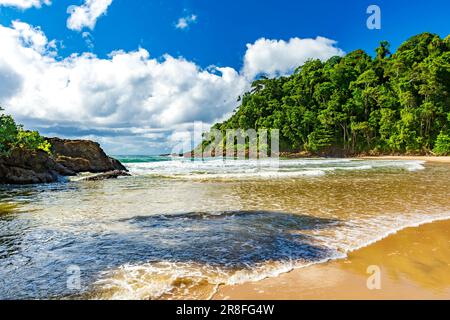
x,y
390,103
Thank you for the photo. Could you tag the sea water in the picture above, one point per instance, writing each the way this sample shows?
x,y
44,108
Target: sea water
x,y
179,228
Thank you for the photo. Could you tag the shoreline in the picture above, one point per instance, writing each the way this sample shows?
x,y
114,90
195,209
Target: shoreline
x,y
435,159
414,264
294,155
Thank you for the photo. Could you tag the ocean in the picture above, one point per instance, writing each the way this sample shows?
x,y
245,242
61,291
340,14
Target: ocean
x,y
179,228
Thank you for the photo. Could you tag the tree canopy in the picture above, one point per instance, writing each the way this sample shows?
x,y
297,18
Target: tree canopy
x,y
390,103
13,136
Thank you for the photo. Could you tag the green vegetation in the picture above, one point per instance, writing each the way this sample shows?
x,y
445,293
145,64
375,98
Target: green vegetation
x,y
13,136
392,103
442,146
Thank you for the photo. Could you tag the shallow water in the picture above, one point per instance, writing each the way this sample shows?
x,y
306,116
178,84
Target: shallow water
x,y
178,228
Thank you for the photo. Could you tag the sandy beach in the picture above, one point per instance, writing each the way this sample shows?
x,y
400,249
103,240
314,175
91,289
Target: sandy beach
x,y
420,158
414,264
178,229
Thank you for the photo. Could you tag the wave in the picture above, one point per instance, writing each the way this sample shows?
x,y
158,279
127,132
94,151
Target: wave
x,y
262,169
148,238
250,175
193,280
142,159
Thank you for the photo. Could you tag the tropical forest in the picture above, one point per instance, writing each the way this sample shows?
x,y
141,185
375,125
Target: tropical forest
x,y
387,103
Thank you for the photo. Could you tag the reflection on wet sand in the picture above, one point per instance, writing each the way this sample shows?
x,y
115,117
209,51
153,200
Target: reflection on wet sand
x,y
420,255
414,263
157,237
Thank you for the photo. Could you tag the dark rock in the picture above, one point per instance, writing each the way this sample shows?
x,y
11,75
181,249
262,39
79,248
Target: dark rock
x,y
83,156
68,158
25,167
107,175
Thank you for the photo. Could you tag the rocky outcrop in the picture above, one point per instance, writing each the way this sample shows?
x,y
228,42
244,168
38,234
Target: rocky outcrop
x,y
26,167
83,156
68,158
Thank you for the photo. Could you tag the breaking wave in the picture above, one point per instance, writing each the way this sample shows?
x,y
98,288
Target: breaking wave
x,y
180,168
311,242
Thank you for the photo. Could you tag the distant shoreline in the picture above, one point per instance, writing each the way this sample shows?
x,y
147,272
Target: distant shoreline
x,y
301,155
422,158
427,158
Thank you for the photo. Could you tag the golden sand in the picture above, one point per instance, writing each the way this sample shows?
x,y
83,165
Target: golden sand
x,y
414,264
421,158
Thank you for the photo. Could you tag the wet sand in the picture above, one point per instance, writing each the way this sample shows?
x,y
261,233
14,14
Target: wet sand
x,y
420,158
178,236
414,264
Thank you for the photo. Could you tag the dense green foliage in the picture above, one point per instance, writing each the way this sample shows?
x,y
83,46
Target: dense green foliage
x,y
13,136
442,146
392,103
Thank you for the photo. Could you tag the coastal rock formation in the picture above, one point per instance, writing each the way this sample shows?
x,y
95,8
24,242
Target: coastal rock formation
x,y
26,167
68,158
83,156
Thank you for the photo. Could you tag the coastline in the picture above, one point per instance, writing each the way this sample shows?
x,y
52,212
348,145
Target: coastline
x,y
414,264
443,159
65,158
305,155
382,199
435,159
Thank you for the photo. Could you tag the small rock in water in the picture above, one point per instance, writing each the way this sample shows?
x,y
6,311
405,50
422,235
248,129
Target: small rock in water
x,y
107,175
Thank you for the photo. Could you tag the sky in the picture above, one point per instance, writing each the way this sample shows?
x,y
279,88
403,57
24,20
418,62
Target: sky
x,y
135,74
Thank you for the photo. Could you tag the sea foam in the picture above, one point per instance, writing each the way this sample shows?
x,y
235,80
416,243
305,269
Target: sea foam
x,y
262,169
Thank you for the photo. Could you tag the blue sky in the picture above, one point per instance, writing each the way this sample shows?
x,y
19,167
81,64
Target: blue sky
x,y
209,33
224,28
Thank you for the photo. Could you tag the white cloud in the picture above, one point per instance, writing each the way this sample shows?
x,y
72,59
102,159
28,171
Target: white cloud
x,y
86,15
128,89
34,38
127,98
184,22
88,39
279,57
24,4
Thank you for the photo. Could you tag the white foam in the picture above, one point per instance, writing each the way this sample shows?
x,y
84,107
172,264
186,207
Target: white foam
x,y
262,169
251,175
157,280
191,280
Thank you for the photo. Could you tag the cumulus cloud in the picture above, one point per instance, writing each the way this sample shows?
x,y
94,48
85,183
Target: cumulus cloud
x,y
88,39
11,82
86,15
279,57
184,22
128,89
24,4
128,100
